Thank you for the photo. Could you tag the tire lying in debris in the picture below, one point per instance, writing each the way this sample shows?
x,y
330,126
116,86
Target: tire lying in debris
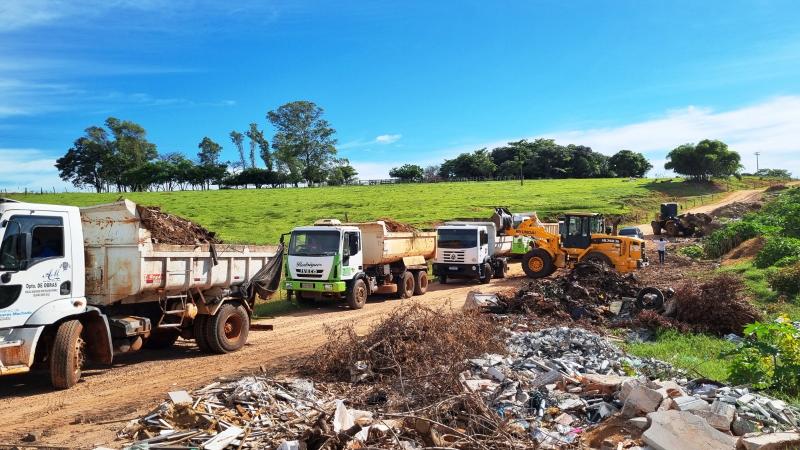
x,y
650,298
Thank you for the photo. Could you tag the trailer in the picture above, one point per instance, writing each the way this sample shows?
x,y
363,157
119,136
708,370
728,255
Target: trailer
x,y
87,284
331,260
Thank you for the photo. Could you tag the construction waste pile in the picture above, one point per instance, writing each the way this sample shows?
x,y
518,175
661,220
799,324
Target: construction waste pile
x,y
551,388
595,295
166,228
736,210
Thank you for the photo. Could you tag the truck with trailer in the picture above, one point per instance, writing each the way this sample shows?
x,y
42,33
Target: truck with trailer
x,y
80,285
351,261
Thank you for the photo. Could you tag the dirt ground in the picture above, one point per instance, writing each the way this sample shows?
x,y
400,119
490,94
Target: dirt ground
x,y
89,414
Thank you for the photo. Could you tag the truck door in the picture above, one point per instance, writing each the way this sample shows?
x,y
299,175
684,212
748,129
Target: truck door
x,y
35,264
352,257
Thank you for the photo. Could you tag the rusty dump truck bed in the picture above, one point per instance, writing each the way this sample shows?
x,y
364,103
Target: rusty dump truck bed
x,y
124,265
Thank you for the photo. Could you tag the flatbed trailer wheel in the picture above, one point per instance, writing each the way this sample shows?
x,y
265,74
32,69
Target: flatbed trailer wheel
x,y
67,355
357,295
227,330
420,282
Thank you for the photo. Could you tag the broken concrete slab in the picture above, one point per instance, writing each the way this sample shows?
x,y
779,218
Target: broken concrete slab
x,y
180,397
771,441
742,426
689,403
718,421
639,422
605,384
640,400
682,430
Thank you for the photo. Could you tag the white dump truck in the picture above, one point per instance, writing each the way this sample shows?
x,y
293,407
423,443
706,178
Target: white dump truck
x,y
80,285
352,261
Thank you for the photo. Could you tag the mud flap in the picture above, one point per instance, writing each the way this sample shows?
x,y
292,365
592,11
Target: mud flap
x,y
97,334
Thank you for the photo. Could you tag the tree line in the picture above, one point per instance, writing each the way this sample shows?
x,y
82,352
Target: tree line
x,y
120,158
541,158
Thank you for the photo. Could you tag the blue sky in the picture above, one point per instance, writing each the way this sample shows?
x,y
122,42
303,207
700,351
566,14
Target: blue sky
x,y
402,81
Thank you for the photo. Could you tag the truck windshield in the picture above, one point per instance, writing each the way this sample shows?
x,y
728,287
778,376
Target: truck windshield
x,y
314,243
458,238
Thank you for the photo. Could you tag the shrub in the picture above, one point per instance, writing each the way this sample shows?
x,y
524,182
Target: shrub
x,y
714,306
769,357
786,280
726,239
692,251
777,248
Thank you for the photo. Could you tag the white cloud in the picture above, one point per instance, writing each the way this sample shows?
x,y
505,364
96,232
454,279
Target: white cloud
x,y
20,14
388,138
28,168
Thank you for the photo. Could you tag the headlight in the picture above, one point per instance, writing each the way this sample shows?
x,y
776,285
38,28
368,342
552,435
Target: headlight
x,y
474,267
288,285
327,287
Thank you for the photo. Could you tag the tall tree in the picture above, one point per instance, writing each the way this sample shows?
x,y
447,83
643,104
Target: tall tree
x,y
257,138
238,140
303,140
408,172
86,163
707,159
210,169
626,163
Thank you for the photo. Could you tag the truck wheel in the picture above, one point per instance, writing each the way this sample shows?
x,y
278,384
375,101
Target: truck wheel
x,y
537,263
357,295
671,228
227,330
488,273
599,258
656,226
200,333
67,355
405,285
160,339
420,282
501,270
442,279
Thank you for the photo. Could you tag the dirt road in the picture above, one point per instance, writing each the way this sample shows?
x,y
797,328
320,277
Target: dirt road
x,y
751,195
83,416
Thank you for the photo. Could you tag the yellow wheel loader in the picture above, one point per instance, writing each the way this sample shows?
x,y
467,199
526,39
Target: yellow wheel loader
x,y
582,237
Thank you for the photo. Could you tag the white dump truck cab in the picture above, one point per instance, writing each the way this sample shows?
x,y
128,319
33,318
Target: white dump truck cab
x,y
331,260
41,276
470,250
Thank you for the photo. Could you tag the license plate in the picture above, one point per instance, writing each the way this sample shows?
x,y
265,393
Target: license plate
x,y
453,267
307,285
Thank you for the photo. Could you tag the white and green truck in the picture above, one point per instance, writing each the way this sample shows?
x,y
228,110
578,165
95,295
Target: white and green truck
x,y
351,261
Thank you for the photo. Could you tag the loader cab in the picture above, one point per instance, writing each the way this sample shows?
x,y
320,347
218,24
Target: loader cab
x,y
577,229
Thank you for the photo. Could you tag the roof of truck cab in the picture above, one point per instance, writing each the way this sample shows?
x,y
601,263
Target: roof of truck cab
x,y
582,214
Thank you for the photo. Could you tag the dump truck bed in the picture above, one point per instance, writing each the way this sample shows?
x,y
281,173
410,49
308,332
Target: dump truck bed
x,y
124,265
382,246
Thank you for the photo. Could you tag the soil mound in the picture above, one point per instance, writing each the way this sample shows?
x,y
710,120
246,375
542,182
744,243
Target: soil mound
x,y
746,250
736,210
169,229
397,227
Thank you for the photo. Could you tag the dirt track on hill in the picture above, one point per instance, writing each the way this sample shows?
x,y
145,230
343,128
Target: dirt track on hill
x,y
90,413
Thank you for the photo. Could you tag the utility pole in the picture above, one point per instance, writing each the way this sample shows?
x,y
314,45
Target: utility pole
x,y
757,153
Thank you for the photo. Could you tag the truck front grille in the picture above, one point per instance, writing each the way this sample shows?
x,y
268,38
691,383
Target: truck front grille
x,y
453,256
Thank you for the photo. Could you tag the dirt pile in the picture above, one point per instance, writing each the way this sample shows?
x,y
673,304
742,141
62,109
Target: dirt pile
x,y
736,210
584,293
412,343
397,227
777,187
169,229
746,250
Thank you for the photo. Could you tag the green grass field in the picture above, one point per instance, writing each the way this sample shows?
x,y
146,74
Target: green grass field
x,y
260,216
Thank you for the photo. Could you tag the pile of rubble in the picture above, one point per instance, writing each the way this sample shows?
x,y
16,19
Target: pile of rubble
x,y
556,383
166,228
736,210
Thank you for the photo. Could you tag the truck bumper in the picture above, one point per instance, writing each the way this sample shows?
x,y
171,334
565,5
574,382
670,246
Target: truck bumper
x,y
315,286
17,348
456,270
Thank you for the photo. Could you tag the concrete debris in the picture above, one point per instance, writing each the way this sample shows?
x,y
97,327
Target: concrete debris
x,y
673,430
772,441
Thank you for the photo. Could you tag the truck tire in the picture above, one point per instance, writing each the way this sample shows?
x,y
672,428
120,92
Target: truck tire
x,y
420,282
405,285
160,339
599,258
537,263
357,295
227,330
501,270
671,228
67,355
656,226
200,333
488,274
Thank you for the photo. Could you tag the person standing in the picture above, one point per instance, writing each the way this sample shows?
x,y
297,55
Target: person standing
x,y
661,246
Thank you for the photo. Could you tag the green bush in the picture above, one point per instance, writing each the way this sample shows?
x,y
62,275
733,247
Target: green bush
x,y
769,357
726,239
786,280
692,251
787,261
777,248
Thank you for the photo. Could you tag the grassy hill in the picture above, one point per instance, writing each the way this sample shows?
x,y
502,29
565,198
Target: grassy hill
x,y
261,215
